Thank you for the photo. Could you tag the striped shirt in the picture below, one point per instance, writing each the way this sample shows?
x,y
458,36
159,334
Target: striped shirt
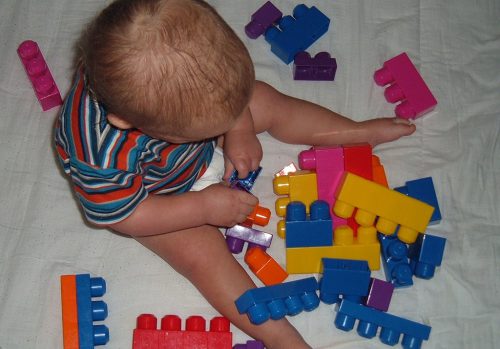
x,y
114,170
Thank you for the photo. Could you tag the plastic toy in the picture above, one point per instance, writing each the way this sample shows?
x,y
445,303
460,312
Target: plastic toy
x,y
379,172
371,319
79,311
170,335
247,182
265,267
43,83
297,33
237,236
250,345
426,254
299,186
308,231
343,277
423,189
407,86
392,208
260,216
290,168
364,247
262,19
379,294
289,298
395,260
320,68
358,160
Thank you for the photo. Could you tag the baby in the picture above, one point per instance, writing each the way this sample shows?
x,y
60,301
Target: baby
x,y
161,84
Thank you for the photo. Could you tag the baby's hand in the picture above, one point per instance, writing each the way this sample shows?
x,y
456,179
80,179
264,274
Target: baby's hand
x,y
225,207
242,151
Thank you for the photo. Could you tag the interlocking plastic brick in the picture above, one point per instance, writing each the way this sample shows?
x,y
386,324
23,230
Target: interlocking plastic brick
x,y
395,261
43,83
320,68
237,235
275,302
171,336
406,86
262,19
250,345
392,327
423,189
297,33
315,229
265,267
247,182
426,254
379,295
392,208
379,172
344,278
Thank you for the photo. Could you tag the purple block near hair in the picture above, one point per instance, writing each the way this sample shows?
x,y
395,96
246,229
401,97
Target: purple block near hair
x,y
262,19
253,236
250,345
320,68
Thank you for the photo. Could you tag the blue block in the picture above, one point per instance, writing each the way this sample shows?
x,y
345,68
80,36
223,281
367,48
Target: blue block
x,y
423,189
297,33
90,335
426,254
308,231
343,277
392,326
395,261
289,298
244,183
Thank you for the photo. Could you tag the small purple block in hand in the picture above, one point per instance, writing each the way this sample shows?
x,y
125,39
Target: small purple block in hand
x,y
320,68
262,19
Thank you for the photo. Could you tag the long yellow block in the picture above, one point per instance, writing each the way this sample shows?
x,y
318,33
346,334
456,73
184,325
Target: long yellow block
x,y
391,207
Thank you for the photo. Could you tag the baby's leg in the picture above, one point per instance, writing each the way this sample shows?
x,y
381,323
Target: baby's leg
x,y
201,255
296,121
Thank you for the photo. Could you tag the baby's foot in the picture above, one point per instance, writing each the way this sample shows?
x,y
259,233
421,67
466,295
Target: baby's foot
x,y
387,129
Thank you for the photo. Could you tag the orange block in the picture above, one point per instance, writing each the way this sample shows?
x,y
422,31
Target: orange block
x,y
69,312
265,267
379,172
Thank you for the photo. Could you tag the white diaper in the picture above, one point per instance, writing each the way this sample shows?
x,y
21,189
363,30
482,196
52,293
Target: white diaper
x,y
214,172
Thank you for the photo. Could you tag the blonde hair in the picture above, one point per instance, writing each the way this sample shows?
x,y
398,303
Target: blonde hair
x,y
166,64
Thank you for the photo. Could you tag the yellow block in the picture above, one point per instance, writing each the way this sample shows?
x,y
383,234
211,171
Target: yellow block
x,y
391,207
298,186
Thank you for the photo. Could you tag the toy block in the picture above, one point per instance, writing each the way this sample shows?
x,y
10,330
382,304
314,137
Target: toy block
x,y
171,336
358,160
406,86
247,182
364,247
395,261
79,311
379,172
426,254
391,326
43,83
379,294
343,277
423,189
250,345
290,168
299,186
289,298
259,216
315,229
392,208
297,33
265,267
262,19
237,236
320,68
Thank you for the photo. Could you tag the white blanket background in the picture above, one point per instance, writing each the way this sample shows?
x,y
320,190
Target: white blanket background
x,y
454,44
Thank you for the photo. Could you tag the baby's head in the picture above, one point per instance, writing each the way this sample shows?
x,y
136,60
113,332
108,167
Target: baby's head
x,y
171,68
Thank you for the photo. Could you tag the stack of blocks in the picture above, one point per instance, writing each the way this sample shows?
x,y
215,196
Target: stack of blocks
x,y
79,311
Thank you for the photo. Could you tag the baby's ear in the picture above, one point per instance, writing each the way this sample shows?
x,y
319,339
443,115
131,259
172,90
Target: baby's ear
x,y
118,121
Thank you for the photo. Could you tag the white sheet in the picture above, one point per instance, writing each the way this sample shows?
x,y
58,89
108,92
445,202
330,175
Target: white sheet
x,y
455,45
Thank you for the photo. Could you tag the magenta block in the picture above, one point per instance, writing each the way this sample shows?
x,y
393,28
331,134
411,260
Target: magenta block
x,y
39,74
406,86
320,68
380,294
262,19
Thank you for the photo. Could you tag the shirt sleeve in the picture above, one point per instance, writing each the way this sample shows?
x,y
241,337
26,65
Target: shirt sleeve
x,y
107,195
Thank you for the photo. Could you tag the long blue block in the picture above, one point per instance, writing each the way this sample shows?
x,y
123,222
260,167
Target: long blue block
x,y
308,231
395,261
426,254
90,335
297,33
392,326
343,277
277,301
423,189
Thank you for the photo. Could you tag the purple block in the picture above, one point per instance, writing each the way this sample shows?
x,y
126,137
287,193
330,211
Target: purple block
x,y
250,345
237,236
380,294
262,19
320,68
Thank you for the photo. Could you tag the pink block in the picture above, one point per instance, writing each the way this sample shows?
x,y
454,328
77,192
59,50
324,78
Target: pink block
x,y
407,86
39,74
328,162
